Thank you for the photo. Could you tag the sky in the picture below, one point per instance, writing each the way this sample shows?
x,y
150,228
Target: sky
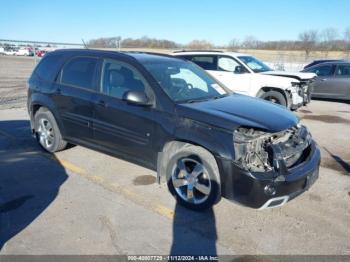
x,y
217,21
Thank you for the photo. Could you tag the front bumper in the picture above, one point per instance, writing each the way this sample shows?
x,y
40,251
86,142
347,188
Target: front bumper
x,y
269,189
302,97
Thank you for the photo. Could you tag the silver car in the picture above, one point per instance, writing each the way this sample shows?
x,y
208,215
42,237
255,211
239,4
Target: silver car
x,y
333,80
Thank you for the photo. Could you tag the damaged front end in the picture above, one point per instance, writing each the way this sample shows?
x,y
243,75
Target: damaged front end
x,y
272,168
259,151
303,89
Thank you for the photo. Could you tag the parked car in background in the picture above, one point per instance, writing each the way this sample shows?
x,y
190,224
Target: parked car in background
x,y
333,80
170,115
2,51
41,53
315,62
245,74
23,52
10,51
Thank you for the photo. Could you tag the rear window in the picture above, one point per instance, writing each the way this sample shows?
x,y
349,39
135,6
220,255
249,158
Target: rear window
x,y
80,72
48,67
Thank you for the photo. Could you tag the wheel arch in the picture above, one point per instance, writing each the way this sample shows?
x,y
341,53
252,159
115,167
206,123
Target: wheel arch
x,y
217,148
38,101
265,89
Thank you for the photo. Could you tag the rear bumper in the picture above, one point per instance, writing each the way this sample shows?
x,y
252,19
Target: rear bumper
x,y
270,189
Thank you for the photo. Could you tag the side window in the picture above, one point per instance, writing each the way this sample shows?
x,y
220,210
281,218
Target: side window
x,y
325,70
343,70
119,77
48,67
205,62
230,65
80,72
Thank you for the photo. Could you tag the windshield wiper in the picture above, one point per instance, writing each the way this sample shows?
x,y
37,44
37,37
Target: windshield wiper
x,y
203,99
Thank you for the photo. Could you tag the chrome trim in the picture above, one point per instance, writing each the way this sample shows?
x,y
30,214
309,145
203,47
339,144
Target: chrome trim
x,y
266,205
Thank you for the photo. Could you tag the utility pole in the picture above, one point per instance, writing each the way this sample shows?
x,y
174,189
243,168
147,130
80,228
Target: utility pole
x,y
118,43
34,53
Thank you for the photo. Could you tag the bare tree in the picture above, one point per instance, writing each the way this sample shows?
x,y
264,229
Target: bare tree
x,y
308,41
329,35
250,42
347,40
234,44
200,44
143,42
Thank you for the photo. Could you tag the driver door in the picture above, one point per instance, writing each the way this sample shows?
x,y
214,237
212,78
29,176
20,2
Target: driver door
x,y
119,126
324,79
232,74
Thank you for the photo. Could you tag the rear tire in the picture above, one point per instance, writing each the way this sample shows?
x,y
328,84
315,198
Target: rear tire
x,y
193,177
47,132
274,97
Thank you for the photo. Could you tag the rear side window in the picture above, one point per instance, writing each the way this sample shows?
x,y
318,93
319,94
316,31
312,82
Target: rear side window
x,y
343,70
205,62
48,67
80,72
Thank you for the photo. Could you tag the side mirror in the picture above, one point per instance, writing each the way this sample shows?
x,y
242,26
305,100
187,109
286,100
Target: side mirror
x,y
239,70
137,98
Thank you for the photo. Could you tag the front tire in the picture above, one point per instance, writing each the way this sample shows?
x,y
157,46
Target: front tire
x,y
193,177
274,97
47,132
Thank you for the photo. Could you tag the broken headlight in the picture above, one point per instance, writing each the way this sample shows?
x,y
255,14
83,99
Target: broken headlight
x,y
258,151
250,149
295,84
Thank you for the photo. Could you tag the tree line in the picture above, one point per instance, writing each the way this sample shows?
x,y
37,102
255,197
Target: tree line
x,y
329,39
308,41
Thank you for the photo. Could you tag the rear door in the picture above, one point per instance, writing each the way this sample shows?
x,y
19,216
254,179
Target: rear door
x,y
119,126
340,87
73,97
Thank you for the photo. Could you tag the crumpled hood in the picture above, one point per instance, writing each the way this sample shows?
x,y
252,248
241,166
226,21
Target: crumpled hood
x,y
296,75
239,110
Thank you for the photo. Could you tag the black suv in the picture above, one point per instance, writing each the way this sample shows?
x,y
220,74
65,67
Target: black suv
x,y
168,114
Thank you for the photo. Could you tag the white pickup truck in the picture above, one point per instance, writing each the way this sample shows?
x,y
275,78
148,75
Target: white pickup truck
x,y
245,74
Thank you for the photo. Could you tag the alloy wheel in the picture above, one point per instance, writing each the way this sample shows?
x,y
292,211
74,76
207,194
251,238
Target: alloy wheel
x,y
191,180
45,133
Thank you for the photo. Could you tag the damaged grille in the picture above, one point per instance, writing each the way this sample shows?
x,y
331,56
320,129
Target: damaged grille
x,y
290,145
259,151
305,90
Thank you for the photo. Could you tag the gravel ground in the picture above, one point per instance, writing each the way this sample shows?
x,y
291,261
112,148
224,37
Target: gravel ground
x,y
14,72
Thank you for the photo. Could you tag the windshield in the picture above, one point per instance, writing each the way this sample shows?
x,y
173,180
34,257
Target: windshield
x,y
185,82
254,64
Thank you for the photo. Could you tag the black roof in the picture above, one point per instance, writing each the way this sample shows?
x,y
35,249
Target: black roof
x,y
139,56
198,50
337,62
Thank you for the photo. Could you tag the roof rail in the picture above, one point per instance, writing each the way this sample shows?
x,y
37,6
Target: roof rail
x,y
148,53
198,50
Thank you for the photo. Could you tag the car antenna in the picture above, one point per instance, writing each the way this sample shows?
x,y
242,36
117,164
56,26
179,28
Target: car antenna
x,y
86,47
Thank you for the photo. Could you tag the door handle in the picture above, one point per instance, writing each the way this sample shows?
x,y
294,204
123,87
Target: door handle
x,y
101,103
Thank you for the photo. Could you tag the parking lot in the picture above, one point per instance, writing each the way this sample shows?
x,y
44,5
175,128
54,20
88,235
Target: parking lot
x,y
79,201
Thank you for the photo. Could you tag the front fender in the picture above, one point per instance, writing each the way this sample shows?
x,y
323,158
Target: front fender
x,y
215,139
